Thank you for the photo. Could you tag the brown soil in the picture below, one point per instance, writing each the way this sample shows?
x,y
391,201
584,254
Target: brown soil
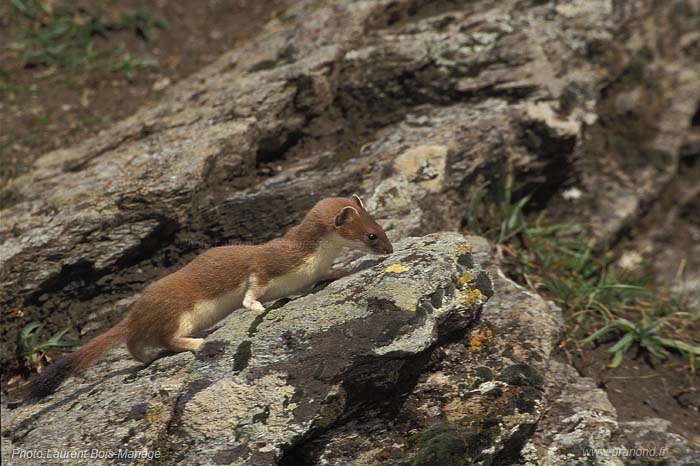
x,y
44,108
666,237
641,388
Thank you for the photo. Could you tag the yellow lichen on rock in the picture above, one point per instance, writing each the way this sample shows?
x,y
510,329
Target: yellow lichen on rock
x,y
466,279
155,414
479,339
464,249
472,296
396,268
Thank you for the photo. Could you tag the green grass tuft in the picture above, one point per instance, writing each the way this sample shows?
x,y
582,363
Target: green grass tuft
x,y
67,36
566,265
34,351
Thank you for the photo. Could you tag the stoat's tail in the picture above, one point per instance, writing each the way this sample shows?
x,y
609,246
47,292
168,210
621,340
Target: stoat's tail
x,y
51,378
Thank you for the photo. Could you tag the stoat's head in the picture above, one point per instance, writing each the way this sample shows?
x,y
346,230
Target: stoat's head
x,y
357,229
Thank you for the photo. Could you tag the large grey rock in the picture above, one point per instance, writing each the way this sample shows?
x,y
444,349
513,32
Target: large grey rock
x,y
266,381
395,364
579,418
478,400
649,442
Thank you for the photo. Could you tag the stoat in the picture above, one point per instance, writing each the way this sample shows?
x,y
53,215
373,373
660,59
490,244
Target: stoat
x,y
217,282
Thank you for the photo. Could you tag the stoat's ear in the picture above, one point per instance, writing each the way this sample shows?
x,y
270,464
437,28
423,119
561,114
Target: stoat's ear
x,y
357,200
345,215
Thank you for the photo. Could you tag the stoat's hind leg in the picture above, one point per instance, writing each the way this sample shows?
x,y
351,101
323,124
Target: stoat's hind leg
x,y
184,344
138,351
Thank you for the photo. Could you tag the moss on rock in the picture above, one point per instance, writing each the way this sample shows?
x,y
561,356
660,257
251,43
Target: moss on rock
x,y
521,375
445,445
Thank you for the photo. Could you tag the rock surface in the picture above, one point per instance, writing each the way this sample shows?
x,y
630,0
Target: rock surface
x,y
429,356
265,382
415,106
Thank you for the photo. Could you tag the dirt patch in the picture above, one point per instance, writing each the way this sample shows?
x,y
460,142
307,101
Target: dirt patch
x,y
639,390
665,240
45,106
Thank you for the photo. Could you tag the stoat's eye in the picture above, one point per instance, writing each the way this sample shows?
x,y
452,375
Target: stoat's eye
x,y
371,236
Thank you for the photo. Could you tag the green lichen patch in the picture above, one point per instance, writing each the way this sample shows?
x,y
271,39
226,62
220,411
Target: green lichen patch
x,y
445,445
526,400
521,375
483,373
354,152
264,65
484,283
253,329
440,445
437,298
262,416
464,256
242,356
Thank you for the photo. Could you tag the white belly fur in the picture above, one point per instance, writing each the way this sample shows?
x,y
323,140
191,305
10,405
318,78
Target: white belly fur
x,y
206,313
309,272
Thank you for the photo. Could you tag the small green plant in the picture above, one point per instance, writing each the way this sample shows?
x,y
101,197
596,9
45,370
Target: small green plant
x,y
511,212
30,8
285,17
645,335
564,263
64,35
7,89
128,65
34,351
143,23
501,218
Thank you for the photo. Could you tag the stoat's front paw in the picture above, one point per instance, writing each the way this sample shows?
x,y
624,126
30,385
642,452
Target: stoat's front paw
x,y
254,306
257,306
196,343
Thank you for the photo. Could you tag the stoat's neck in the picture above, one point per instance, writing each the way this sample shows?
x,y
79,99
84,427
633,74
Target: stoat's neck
x,y
309,235
320,244
327,250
